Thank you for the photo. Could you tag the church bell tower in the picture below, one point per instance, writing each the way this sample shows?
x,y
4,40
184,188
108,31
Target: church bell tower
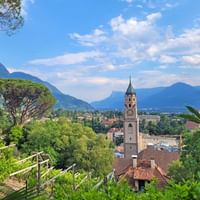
x,y
131,123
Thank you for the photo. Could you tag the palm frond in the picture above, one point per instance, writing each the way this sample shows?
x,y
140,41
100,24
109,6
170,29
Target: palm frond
x,y
189,117
193,111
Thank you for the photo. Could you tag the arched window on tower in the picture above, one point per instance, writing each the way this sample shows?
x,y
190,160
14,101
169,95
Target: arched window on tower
x,y
130,125
130,128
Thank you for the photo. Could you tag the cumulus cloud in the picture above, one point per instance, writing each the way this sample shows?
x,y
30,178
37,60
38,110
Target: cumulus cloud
x,y
192,59
126,44
165,59
134,26
93,39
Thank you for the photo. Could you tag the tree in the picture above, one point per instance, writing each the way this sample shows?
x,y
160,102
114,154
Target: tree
x,y
4,120
10,15
25,100
194,115
69,143
188,168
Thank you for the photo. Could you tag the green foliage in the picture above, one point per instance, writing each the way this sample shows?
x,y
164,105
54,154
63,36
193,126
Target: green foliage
x,y
4,121
121,191
7,163
15,134
194,115
177,171
168,125
24,100
69,143
91,119
190,155
10,15
188,168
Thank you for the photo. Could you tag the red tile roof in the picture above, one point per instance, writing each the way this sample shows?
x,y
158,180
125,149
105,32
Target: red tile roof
x,y
191,125
143,171
121,165
162,158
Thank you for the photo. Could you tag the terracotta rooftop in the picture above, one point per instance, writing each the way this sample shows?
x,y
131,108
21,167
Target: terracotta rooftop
x,y
143,171
121,165
162,158
191,125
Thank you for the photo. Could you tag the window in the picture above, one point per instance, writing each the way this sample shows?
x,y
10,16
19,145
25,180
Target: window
x,y
129,105
130,129
141,185
130,125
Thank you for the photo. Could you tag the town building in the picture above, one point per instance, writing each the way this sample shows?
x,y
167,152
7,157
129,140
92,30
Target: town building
x,y
149,118
144,167
142,162
131,123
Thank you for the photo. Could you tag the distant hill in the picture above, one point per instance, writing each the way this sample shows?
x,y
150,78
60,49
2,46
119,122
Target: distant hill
x,y
162,99
3,70
63,101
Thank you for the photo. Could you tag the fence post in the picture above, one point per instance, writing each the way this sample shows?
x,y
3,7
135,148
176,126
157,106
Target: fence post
x,y
73,176
38,174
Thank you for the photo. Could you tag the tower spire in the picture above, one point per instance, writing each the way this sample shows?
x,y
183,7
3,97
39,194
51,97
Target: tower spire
x,y
130,89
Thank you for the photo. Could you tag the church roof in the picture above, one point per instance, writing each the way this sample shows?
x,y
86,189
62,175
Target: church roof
x,y
130,89
162,158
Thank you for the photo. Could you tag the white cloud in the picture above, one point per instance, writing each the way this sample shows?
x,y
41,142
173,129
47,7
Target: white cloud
x,y
93,39
129,1
192,59
128,44
186,43
165,59
134,26
157,78
67,59
92,87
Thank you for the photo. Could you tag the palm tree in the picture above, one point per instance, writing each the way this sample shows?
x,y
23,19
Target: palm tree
x,y
193,116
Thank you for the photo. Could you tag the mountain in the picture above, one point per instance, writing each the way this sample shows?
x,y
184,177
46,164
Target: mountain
x,y
63,100
173,98
161,99
116,100
3,70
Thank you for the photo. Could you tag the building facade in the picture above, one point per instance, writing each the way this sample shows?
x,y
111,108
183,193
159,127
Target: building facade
x,y
131,123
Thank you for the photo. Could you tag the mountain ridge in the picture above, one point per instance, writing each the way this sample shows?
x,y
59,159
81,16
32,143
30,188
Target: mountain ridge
x,y
64,101
172,98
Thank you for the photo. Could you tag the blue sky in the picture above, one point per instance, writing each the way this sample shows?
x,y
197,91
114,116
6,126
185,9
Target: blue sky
x,y
88,48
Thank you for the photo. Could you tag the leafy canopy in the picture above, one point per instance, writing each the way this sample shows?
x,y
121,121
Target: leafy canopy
x,y
69,143
10,15
24,100
193,116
